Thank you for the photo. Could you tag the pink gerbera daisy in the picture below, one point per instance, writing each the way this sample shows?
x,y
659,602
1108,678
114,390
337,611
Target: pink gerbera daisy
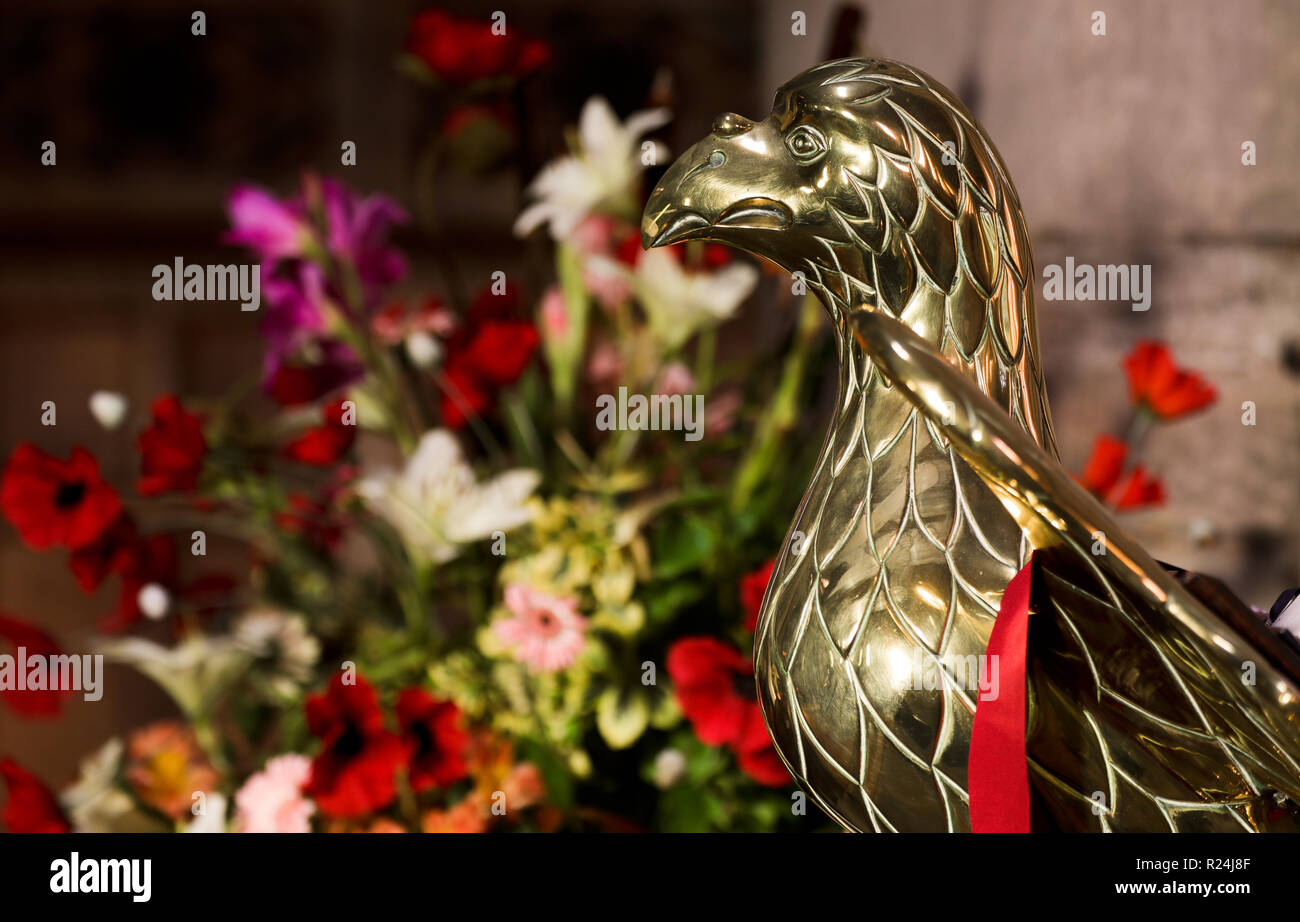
x,y
546,633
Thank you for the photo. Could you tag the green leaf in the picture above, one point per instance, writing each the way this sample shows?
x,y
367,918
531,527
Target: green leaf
x,y
555,772
664,600
622,716
682,546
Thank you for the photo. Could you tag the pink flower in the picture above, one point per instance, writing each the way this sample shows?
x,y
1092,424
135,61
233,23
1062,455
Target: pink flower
x,y
604,365
594,236
554,313
608,280
675,378
546,632
272,801
273,229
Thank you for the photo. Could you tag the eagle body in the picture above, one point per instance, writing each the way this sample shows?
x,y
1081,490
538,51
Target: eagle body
x,y
938,477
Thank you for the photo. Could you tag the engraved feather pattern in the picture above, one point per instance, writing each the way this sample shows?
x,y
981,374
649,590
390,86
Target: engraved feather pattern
x,y
872,181
893,557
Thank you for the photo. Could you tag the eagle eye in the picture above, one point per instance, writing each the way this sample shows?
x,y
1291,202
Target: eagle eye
x,y
806,144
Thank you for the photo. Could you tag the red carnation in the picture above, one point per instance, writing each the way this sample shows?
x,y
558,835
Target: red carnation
x,y
53,502
1157,383
487,353
30,702
752,588
1140,490
171,449
325,444
31,807
1104,466
435,738
465,50
1101,477
356,771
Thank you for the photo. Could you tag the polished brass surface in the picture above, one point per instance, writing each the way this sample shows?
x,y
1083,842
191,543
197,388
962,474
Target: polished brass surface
x,y
938,476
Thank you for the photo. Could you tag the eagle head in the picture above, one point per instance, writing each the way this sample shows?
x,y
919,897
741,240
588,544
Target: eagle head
x,y
868,176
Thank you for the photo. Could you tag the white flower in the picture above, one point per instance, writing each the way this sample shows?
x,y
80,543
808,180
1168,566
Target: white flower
x,y
213,818
96,803
193,672
436,504
603,169
678,303
281,639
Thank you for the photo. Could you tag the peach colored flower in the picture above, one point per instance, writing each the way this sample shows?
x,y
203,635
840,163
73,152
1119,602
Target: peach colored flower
x,y
166,767
468,816
272,800
384,824
546,632
523,787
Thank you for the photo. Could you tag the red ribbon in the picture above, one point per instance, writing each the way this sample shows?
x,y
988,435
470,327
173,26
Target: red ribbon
x,y
999,773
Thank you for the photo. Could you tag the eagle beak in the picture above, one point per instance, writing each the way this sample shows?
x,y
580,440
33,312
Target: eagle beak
x,y
708,192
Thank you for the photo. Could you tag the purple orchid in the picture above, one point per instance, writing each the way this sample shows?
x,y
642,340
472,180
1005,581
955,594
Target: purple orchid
x,y
271,228
358,234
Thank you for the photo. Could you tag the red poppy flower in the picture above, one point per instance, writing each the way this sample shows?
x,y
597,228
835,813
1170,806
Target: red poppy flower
x,y
108,554
714,684
323,445
1140,490
171,449
1104,466
752,587
465,50
30,702
31,807
706,674
356,771
1157,383
435,738
756,755
487,353
53,502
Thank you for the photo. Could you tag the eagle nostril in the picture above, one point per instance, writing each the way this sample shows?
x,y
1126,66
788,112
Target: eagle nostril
x,y
729,124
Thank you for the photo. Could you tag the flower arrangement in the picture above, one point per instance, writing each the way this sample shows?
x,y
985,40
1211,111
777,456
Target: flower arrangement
x,y
468,608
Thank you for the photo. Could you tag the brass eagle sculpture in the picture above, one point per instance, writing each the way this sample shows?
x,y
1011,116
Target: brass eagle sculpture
x,y
1147,708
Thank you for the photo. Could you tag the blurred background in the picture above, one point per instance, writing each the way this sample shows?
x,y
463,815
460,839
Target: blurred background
x,y
1126,149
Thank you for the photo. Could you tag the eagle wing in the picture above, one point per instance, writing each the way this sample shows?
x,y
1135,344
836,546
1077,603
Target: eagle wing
x,y
1147,709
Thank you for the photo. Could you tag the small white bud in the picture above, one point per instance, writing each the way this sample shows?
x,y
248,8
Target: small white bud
x,y
670,766
423,350
154,601
109,408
